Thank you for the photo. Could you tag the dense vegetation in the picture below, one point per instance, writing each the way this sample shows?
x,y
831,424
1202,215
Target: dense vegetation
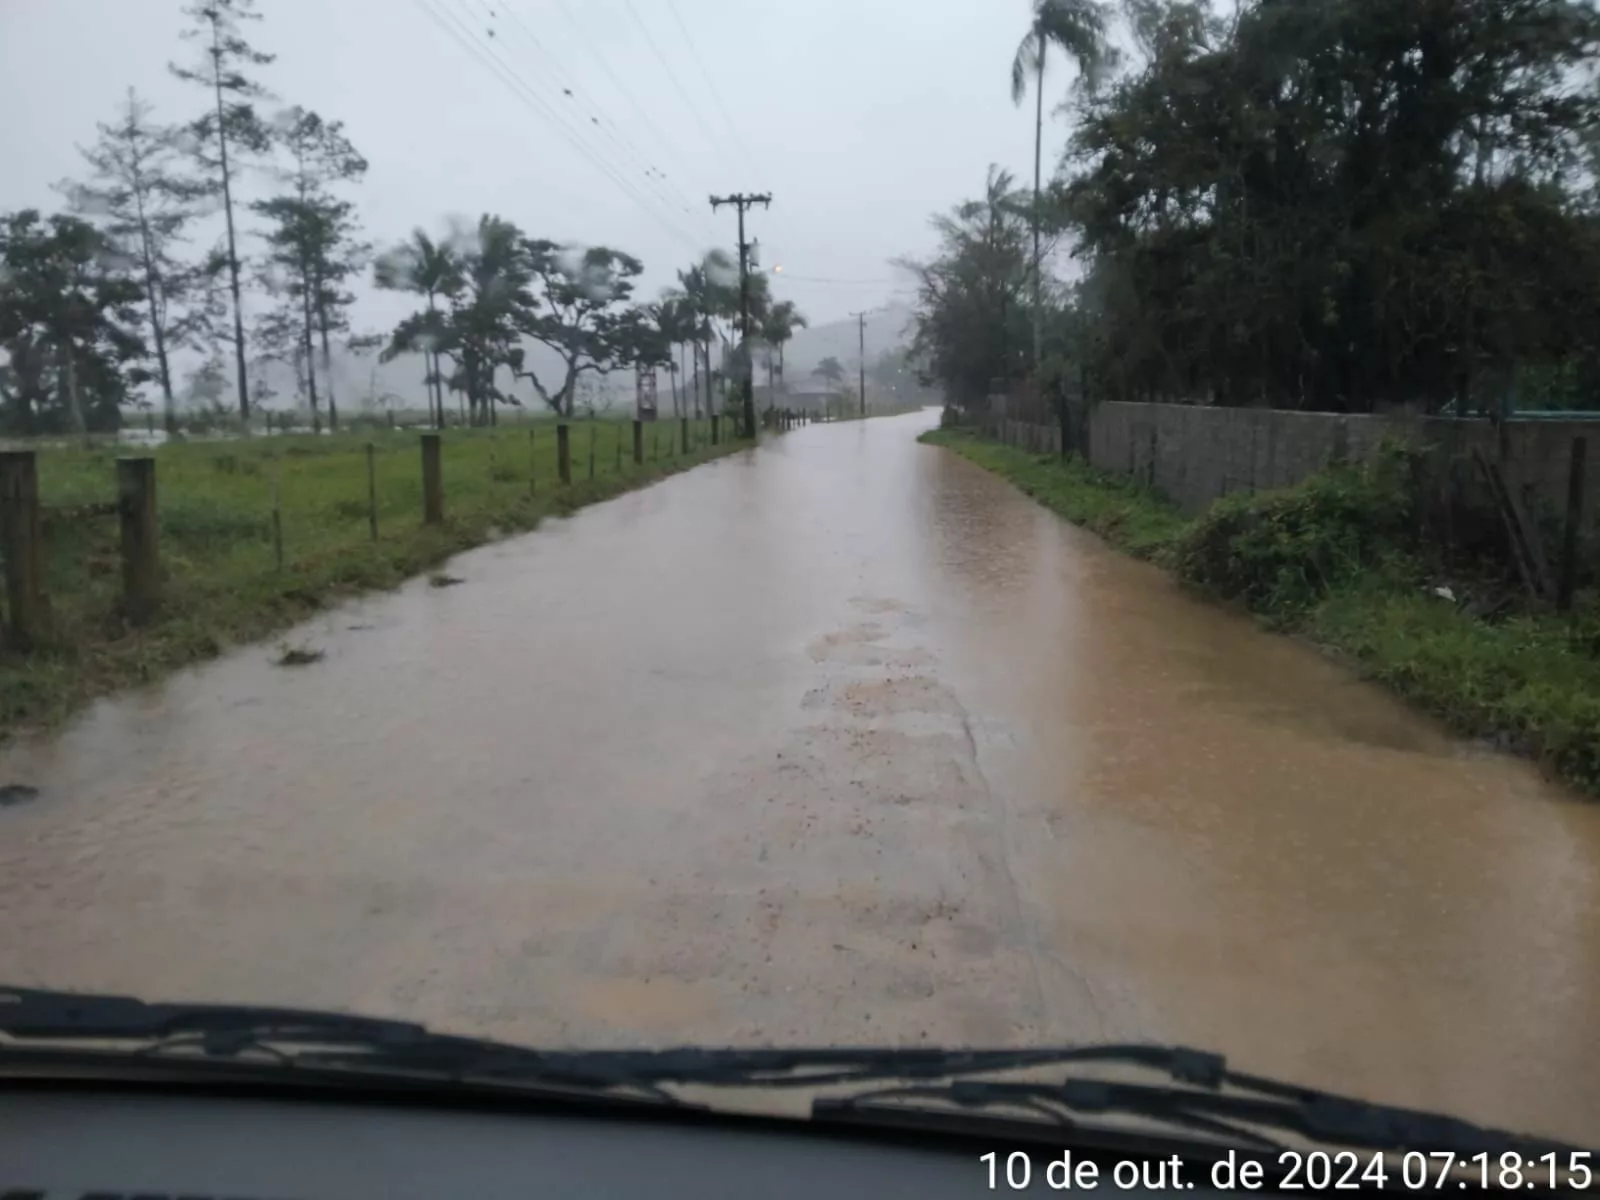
x,y
1318,204
98,303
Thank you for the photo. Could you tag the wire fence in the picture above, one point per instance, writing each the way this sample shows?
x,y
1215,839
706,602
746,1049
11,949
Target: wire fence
x,y
93,540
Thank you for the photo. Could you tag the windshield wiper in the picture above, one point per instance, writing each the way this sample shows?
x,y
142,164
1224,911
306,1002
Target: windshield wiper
x,y
1210,1097
1250,1106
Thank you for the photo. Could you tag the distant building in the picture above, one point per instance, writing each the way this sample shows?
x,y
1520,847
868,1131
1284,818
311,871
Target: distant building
x,y
810,396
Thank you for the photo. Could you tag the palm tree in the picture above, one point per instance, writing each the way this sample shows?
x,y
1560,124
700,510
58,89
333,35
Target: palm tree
x,y
710,289
430,269
1078,29
782,320
675,318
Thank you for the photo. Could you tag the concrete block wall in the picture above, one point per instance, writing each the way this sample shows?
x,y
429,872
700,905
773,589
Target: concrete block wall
x,y
1195,454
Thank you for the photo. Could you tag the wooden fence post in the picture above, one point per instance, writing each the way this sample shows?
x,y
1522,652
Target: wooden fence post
x,y
564,452
277,512
1569,543
683,434
432,480
21,540
372,490
141,561
716,429
617,466
591,448
533,464
638,440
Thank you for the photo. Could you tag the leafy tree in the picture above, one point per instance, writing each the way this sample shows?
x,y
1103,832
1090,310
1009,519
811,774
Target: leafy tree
x,y
1342,204
68,309
969,323
831,370
584,316
489,311
1078,29
311,237
780,323
430,269
675,318
710,289
230,125
141,202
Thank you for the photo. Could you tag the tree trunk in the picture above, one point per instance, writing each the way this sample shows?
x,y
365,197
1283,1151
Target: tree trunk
x,y
311,363
69,389
436,383
1038,144
233,241
158,333
327,369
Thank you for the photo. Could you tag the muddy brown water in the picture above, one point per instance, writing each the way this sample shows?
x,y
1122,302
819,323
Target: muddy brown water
x,y
838,740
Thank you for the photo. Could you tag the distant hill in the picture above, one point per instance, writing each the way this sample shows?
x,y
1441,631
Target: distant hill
x,y
885,330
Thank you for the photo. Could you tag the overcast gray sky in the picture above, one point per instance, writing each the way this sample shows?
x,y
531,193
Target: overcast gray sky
x,y
860,116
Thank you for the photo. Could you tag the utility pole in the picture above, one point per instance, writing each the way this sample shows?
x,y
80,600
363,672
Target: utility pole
x,y
741,201
861,345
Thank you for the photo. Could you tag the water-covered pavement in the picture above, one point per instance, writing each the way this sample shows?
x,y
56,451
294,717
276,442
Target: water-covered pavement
x,y
838,740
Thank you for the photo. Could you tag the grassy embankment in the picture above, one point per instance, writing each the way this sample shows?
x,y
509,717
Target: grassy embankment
x,y
222,584
1331,559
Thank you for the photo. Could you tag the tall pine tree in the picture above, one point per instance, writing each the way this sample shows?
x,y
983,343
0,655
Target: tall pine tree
x,y
143,204
231,127
311,238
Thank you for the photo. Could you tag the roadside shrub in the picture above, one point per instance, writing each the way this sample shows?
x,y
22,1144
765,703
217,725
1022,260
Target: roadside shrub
x,y
1282,551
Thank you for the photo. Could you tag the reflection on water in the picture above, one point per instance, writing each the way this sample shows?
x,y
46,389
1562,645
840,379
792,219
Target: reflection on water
x,y
838,740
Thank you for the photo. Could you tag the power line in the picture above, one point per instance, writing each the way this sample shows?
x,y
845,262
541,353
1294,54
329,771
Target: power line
x,y
673,76
711,86
509,77
638,109
603,122
782,275
620,147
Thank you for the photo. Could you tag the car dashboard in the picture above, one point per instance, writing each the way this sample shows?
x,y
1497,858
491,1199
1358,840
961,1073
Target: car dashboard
x,y
124,1143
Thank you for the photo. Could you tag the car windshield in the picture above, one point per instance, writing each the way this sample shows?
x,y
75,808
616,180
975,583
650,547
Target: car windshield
x,y
628,525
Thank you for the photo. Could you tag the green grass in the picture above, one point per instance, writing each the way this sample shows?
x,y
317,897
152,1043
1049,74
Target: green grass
x,y
1133,517
1327,559
222,584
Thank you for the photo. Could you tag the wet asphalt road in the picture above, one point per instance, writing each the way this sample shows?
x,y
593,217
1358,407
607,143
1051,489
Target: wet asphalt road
x,y
837,740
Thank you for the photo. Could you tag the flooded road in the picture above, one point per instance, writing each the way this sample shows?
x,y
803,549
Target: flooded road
x,y
839,740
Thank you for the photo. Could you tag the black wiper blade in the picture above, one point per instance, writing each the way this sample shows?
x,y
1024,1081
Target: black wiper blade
x,y
1211,1096
32,1013
223,1029
33,1020
1242,1114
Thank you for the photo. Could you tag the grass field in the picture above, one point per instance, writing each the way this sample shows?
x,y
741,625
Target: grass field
x,y
222,582
1527,679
